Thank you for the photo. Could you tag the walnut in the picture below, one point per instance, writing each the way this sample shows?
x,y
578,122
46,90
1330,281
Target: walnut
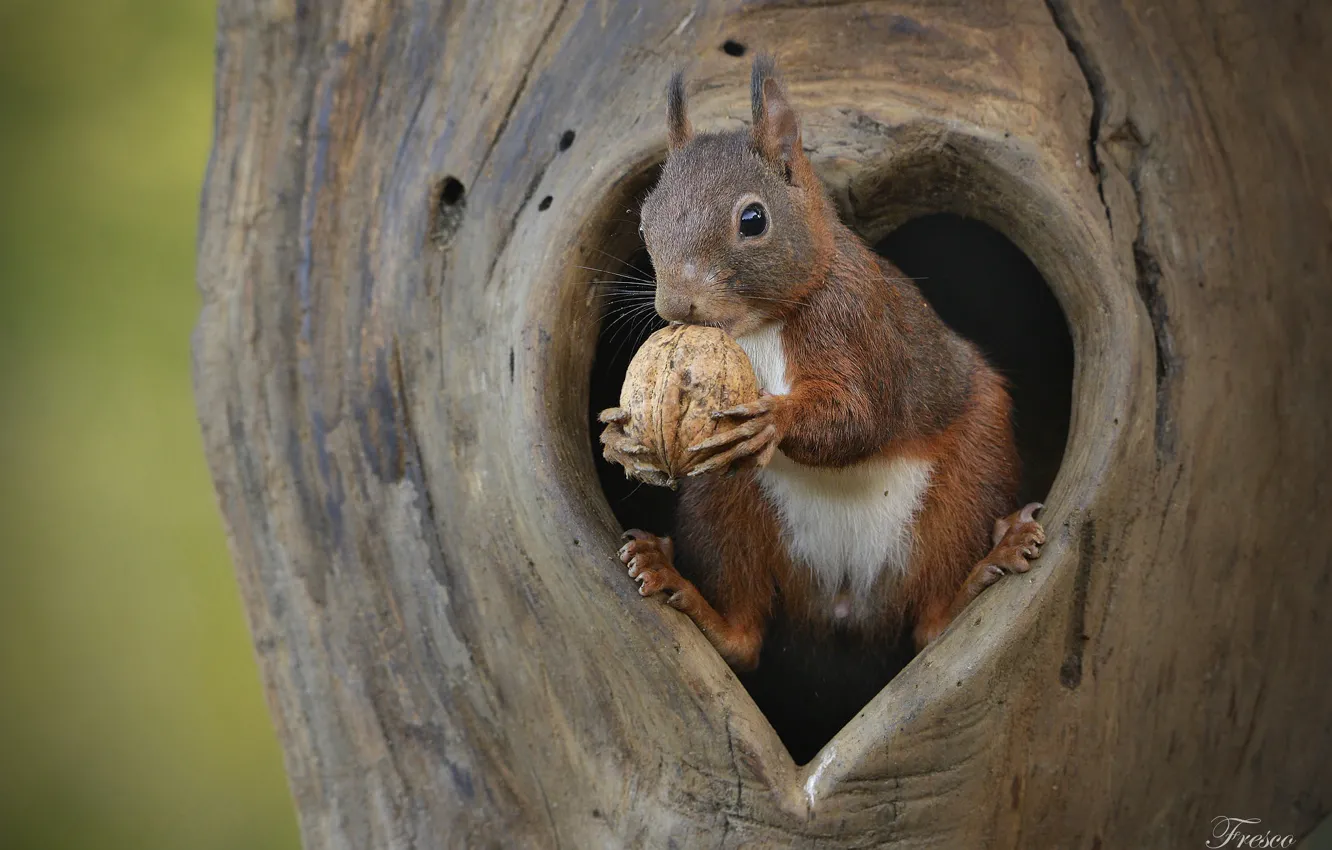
x,y
678,379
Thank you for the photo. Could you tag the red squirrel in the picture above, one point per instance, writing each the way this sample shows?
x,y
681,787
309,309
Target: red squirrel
x,y
863,486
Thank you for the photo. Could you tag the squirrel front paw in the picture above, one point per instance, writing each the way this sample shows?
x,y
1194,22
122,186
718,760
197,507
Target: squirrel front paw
x,y
619,447
752,442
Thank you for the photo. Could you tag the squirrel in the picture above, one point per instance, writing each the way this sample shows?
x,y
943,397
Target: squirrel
x,y
861,489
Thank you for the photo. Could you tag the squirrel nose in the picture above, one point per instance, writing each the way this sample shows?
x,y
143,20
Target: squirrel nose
x,y
674,306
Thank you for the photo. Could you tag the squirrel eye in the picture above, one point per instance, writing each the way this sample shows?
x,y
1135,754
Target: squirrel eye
x,y
753,220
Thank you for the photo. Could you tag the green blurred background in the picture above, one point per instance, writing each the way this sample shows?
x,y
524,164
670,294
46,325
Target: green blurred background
x,y
131,714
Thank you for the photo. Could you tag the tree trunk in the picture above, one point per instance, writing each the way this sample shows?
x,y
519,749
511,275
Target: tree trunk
x,y
392,371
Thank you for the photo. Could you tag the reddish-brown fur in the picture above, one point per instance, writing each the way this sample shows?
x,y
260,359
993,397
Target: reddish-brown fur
x,y
873,372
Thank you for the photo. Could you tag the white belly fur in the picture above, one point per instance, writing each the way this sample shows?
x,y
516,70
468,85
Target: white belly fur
x,y
848,525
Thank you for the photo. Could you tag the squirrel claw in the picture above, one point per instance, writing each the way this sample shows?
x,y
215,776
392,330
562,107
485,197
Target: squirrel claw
x,y
751,443
759,448
763,404
1022,517
620,448
641,541
614,438
1018,540
623,445
649,562
650,474
724,438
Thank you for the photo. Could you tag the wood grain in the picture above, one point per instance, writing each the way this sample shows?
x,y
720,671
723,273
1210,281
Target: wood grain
x,y
392,362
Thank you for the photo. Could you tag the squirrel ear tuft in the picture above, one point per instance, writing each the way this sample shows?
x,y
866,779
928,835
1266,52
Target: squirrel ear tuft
x,y
677,122
776,131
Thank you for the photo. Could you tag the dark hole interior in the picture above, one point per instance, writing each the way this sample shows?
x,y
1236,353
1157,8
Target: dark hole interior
x,y
451,192
986,289
566,140
545,203
448,203
733,48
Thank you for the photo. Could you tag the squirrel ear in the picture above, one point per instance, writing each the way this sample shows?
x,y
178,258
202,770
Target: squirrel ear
x,y
677,123
776,130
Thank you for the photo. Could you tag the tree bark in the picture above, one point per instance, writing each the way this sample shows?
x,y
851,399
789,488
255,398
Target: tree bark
x,y
392,365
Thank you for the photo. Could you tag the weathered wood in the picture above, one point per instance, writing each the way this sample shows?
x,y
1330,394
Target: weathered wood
x,y
392,366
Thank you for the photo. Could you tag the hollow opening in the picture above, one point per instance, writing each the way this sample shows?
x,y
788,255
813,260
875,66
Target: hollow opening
x,y
733,48
986,289
448,202
450,192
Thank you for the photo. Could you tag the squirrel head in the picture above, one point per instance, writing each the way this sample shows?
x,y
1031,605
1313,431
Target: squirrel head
x,y
736,225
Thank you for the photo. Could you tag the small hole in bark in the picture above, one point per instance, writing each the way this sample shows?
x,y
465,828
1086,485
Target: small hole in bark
x,y
733,48
566,140
451,192
545,203
448,204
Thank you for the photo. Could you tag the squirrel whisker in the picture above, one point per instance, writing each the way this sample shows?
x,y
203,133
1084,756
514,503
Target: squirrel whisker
x,y
617,274
616,307
619,260
627,316
640,323
624,301
627,284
